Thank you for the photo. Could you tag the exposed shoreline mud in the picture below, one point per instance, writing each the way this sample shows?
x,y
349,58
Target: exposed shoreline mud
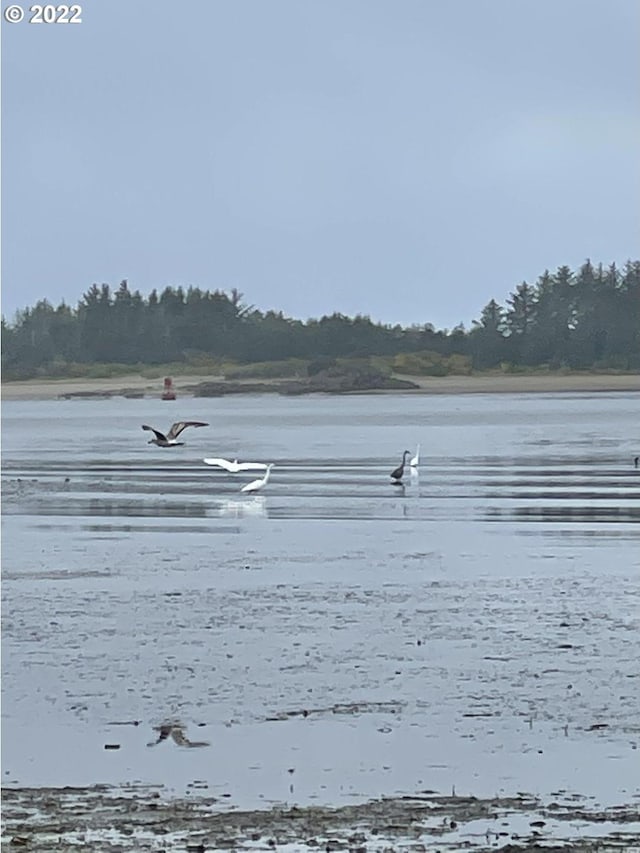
x,y
138,386
138,818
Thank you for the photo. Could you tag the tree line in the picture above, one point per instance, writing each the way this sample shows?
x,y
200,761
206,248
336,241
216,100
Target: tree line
x,y
583,319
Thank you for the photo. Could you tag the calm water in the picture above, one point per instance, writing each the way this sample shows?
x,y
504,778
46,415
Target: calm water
x,y
334,636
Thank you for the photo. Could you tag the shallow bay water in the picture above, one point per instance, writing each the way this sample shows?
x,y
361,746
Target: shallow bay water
x,y
335,637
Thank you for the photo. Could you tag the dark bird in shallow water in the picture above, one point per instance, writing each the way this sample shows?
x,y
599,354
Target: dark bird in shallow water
x,y
397,473
169,440
636,461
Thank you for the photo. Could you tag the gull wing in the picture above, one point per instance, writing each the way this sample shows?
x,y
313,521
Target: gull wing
x,y
163,734
179,736
181,739
177,428
219,463
159,435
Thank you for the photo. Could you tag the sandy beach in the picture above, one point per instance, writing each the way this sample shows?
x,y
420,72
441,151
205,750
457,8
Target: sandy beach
x,y
41,389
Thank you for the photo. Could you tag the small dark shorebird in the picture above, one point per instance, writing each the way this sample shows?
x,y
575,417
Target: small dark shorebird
x,y
397,473
169,440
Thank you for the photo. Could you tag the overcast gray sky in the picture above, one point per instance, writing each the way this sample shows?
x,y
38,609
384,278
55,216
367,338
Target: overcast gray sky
x,y
406,159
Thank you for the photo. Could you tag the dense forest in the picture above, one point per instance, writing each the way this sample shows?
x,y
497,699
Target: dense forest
x,y
584,319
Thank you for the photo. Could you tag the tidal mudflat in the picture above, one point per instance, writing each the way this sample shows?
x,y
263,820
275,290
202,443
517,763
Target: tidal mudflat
x,y
336,662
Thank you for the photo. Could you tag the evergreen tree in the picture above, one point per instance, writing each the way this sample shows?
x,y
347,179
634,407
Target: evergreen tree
x,y
590,318
488,336
519,321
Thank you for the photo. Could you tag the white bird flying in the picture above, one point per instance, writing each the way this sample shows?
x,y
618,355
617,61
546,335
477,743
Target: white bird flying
x,y
235,466
255,485
416,459
169,440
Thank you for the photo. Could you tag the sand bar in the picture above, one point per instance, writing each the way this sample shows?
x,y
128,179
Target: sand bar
x,y
49,389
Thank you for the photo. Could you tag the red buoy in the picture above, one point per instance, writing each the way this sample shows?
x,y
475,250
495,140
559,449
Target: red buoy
x,y
169,392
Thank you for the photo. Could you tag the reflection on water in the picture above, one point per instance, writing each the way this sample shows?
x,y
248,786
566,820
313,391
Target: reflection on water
x,y
255,506
176,731
582,514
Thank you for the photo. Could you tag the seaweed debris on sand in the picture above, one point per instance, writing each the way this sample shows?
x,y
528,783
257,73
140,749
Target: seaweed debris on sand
x,y
138,818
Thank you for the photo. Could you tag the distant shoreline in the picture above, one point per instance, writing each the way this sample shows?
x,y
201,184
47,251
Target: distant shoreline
x,y
135,385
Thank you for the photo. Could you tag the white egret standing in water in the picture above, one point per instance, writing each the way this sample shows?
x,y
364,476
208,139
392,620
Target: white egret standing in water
x,y
416,459
256,485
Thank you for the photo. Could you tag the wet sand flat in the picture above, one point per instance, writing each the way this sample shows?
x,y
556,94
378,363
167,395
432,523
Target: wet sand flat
x,y
337,663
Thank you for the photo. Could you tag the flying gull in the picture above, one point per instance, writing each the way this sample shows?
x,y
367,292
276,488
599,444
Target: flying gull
x,y
169,440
